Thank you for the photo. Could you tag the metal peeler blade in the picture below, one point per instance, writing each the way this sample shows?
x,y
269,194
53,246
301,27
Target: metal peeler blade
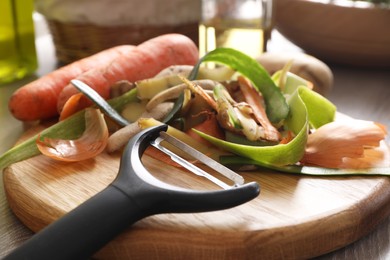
x,y
236,178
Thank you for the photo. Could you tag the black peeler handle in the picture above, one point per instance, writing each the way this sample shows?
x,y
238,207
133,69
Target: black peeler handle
x,y
133,195
81,232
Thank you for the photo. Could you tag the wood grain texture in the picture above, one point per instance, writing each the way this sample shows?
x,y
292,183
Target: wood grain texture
x,y
294,216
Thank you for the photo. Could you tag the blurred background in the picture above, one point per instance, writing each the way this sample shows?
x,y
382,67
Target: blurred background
x,y
341,31
348,32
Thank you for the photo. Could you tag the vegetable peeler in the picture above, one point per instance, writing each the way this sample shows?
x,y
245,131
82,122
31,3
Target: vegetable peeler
x,y
133,195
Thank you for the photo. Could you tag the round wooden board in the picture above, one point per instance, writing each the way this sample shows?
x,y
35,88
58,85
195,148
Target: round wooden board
x,y
295,216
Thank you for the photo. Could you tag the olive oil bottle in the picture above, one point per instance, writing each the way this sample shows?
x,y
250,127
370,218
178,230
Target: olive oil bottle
x,y
246,36
17,42
244,25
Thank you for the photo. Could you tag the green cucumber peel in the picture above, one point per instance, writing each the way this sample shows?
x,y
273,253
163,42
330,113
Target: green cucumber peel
x,y
237,162
317,117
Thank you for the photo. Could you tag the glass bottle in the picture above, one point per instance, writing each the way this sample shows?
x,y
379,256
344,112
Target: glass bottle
x,y
17,41
244,25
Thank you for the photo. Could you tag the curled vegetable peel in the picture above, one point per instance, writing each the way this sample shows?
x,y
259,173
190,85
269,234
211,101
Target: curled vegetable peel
x,y
255,100
88,145
342,144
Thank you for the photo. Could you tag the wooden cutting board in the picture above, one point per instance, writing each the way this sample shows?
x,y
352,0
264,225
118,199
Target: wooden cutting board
x,y
295,216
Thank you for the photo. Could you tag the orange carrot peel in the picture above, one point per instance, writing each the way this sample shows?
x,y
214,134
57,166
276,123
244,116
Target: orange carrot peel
x,y
71,106
255,100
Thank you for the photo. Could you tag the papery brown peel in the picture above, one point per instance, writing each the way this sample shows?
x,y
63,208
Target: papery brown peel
x,y
91,143
331,144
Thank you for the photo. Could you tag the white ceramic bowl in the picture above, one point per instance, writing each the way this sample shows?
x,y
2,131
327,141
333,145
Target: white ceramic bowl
x,y
344,32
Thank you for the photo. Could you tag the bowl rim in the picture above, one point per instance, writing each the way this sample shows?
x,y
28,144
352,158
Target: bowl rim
x,y
359,4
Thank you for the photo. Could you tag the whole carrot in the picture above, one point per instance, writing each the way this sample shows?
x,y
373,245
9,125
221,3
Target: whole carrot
x,y
38,99
144,61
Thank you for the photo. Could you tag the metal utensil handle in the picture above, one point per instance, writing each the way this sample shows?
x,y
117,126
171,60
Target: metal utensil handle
x,y
84,230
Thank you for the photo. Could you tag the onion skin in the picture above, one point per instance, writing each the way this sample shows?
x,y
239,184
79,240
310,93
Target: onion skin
x,y
91,143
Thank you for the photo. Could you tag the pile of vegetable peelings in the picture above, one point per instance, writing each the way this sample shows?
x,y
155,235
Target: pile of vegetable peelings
x,y
228,107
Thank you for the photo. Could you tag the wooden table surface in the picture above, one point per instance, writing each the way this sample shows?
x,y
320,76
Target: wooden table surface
x,y
358,92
